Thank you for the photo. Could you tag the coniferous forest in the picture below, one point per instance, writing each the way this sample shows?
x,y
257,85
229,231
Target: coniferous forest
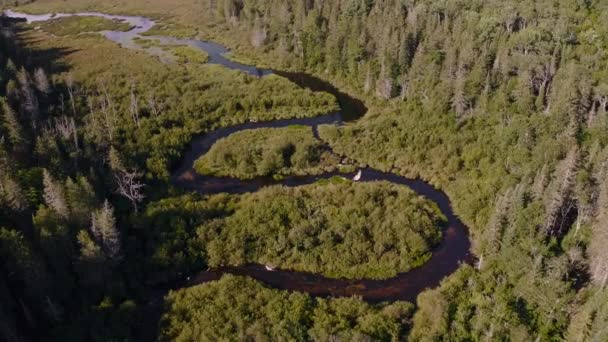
x,y
501,105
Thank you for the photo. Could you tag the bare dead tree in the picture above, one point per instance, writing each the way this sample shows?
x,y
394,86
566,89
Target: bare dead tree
x,y
258,34
134,105
111,114
54,195
108,122
384,87
559,199
62,102
128,184
368,81
104,229
30,104
155,107
460,103
598,253
64,127
130,187
74,132
69,82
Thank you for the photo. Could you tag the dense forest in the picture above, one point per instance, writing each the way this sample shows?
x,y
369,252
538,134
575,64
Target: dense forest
x,y
85,155
237,308
60,240
502,104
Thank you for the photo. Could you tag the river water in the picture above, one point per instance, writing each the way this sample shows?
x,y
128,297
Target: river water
x,y
447,256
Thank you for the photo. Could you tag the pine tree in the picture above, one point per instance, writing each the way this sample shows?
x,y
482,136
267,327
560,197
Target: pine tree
x,y
20,259
91,260
89,250
598,251
81,200
11,194
29,102
103,227
11,124
42,82
559,197
54,195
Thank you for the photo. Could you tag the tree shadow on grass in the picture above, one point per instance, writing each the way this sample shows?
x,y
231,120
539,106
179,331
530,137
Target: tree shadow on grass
x,y
26,49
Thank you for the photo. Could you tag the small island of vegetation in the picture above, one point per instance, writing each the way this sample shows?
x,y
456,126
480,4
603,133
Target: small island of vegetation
x,y
268,151
186,54
82,24
340,229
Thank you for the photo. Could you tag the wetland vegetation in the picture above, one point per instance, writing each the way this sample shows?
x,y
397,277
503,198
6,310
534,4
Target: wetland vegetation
x,y
502,104
342,230
77,25
268,152
242,309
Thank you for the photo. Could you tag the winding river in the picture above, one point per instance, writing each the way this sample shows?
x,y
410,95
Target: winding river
x,y
453,250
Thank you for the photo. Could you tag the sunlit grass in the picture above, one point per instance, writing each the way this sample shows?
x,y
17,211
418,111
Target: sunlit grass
x,y
77,24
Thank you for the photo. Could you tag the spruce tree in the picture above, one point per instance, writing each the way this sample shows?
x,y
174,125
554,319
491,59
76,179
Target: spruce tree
x,y
54,196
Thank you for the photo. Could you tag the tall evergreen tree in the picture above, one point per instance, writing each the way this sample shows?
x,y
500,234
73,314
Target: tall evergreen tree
x,y
103,227
54,195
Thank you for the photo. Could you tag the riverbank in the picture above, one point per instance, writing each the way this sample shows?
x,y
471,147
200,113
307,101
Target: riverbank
x,y
216,53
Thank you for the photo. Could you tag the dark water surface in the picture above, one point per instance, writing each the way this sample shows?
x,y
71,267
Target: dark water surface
x,y
452,251
445,259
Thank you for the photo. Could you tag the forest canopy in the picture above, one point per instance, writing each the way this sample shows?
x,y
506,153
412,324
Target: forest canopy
x,y
239,308
500,103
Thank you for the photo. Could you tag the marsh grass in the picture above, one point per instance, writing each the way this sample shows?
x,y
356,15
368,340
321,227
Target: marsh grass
x,y
77,25
187,54
170,29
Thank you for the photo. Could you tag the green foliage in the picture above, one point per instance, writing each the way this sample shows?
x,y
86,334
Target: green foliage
x,y
146,43
19,259
351,230
500,103
237,308
160,108
171,29
589,323
106,320
69,137
77,24
187,54
170,229
267,152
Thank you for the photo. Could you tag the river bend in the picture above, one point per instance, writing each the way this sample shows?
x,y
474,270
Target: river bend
x,y
446,257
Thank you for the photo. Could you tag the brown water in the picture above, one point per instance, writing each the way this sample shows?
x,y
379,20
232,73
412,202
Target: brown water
x,y
452,251
446,257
